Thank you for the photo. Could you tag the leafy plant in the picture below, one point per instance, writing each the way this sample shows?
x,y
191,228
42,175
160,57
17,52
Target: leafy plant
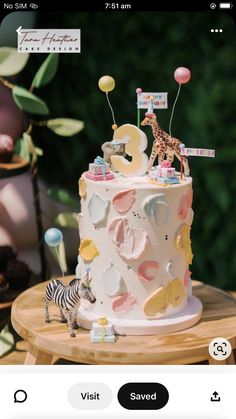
x,y
11,62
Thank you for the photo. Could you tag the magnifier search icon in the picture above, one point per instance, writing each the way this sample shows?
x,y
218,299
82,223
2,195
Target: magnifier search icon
x,y
20,396
220,349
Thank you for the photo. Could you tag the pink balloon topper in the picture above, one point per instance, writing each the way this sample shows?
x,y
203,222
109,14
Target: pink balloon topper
x,y
182,75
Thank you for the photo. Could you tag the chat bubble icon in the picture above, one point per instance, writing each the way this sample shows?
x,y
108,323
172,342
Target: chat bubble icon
x,y
20,396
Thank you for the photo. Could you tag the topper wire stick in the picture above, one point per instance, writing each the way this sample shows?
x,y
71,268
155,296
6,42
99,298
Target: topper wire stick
x,y
173,109
59,262
138,117
181,167
112,112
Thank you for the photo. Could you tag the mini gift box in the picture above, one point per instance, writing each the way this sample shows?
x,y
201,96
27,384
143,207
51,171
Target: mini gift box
x,y
108,176
102,331
102,339
166,180
167,172
99,330
99,169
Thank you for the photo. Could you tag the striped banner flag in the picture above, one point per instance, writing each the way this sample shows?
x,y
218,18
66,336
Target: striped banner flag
x,y
197,152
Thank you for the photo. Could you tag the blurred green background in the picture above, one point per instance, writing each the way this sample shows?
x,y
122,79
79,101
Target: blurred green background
x,y
143,50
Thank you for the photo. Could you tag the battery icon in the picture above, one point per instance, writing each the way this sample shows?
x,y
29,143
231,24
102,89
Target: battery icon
x,y
225,5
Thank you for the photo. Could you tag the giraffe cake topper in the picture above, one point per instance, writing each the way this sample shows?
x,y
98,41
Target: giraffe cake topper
x,y
164,146
167,146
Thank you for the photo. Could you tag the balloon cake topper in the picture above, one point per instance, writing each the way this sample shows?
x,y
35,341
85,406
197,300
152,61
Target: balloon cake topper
x,y
106,84
54,239
130,140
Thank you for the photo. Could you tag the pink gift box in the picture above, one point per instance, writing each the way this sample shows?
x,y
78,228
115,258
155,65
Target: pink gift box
x,y
108,176
167,172
98,169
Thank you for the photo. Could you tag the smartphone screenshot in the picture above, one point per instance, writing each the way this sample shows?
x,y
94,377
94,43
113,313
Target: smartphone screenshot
x,y
117,210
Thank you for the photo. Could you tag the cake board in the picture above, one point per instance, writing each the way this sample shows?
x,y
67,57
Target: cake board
x,y
187,318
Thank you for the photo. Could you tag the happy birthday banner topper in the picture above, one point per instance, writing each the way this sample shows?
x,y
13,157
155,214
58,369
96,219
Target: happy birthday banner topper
x,y
159,101
197,152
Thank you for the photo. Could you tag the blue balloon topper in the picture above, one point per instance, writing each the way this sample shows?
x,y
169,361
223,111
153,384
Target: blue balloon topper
x,y
53,237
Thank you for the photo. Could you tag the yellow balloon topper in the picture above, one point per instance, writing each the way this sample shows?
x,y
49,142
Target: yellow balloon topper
x,y
106,84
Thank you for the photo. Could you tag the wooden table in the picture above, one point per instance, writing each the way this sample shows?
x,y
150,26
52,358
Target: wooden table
x,y
48,341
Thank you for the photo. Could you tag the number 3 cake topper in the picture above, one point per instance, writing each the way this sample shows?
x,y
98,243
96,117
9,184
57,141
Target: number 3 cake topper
x,y
132,137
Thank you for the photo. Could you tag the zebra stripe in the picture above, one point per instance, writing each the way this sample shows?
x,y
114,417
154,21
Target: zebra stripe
x,y
64,297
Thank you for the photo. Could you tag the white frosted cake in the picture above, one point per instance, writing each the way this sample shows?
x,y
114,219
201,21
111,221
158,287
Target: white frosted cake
x,y
135,238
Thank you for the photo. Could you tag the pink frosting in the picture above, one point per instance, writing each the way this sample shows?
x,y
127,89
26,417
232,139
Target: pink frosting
x,y
147,270
187,277
130,242
185,203
183,207
123,201
123,302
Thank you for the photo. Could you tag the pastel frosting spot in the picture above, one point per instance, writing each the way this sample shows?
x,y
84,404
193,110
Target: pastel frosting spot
x,y
187,275
88,250
98,208
82,188
156,304
185,204
183,207
147,270
188,282
183,242
123,201
176,293
156,209
190,216
80,224
123,303
174,266
130,242
112,280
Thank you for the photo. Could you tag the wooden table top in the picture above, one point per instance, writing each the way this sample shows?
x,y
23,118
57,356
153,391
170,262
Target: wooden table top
x,y
183,347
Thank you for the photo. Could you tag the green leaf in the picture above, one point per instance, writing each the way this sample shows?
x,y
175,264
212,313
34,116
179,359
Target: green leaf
x,y
6,341
29,102
11,61
46,71
38,151
67,219
30,146
63,197
65,126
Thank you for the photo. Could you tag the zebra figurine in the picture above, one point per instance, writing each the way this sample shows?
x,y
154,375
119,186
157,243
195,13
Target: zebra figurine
x,y
67,299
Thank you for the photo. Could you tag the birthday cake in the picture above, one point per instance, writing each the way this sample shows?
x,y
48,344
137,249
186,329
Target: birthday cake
x,y
134,226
